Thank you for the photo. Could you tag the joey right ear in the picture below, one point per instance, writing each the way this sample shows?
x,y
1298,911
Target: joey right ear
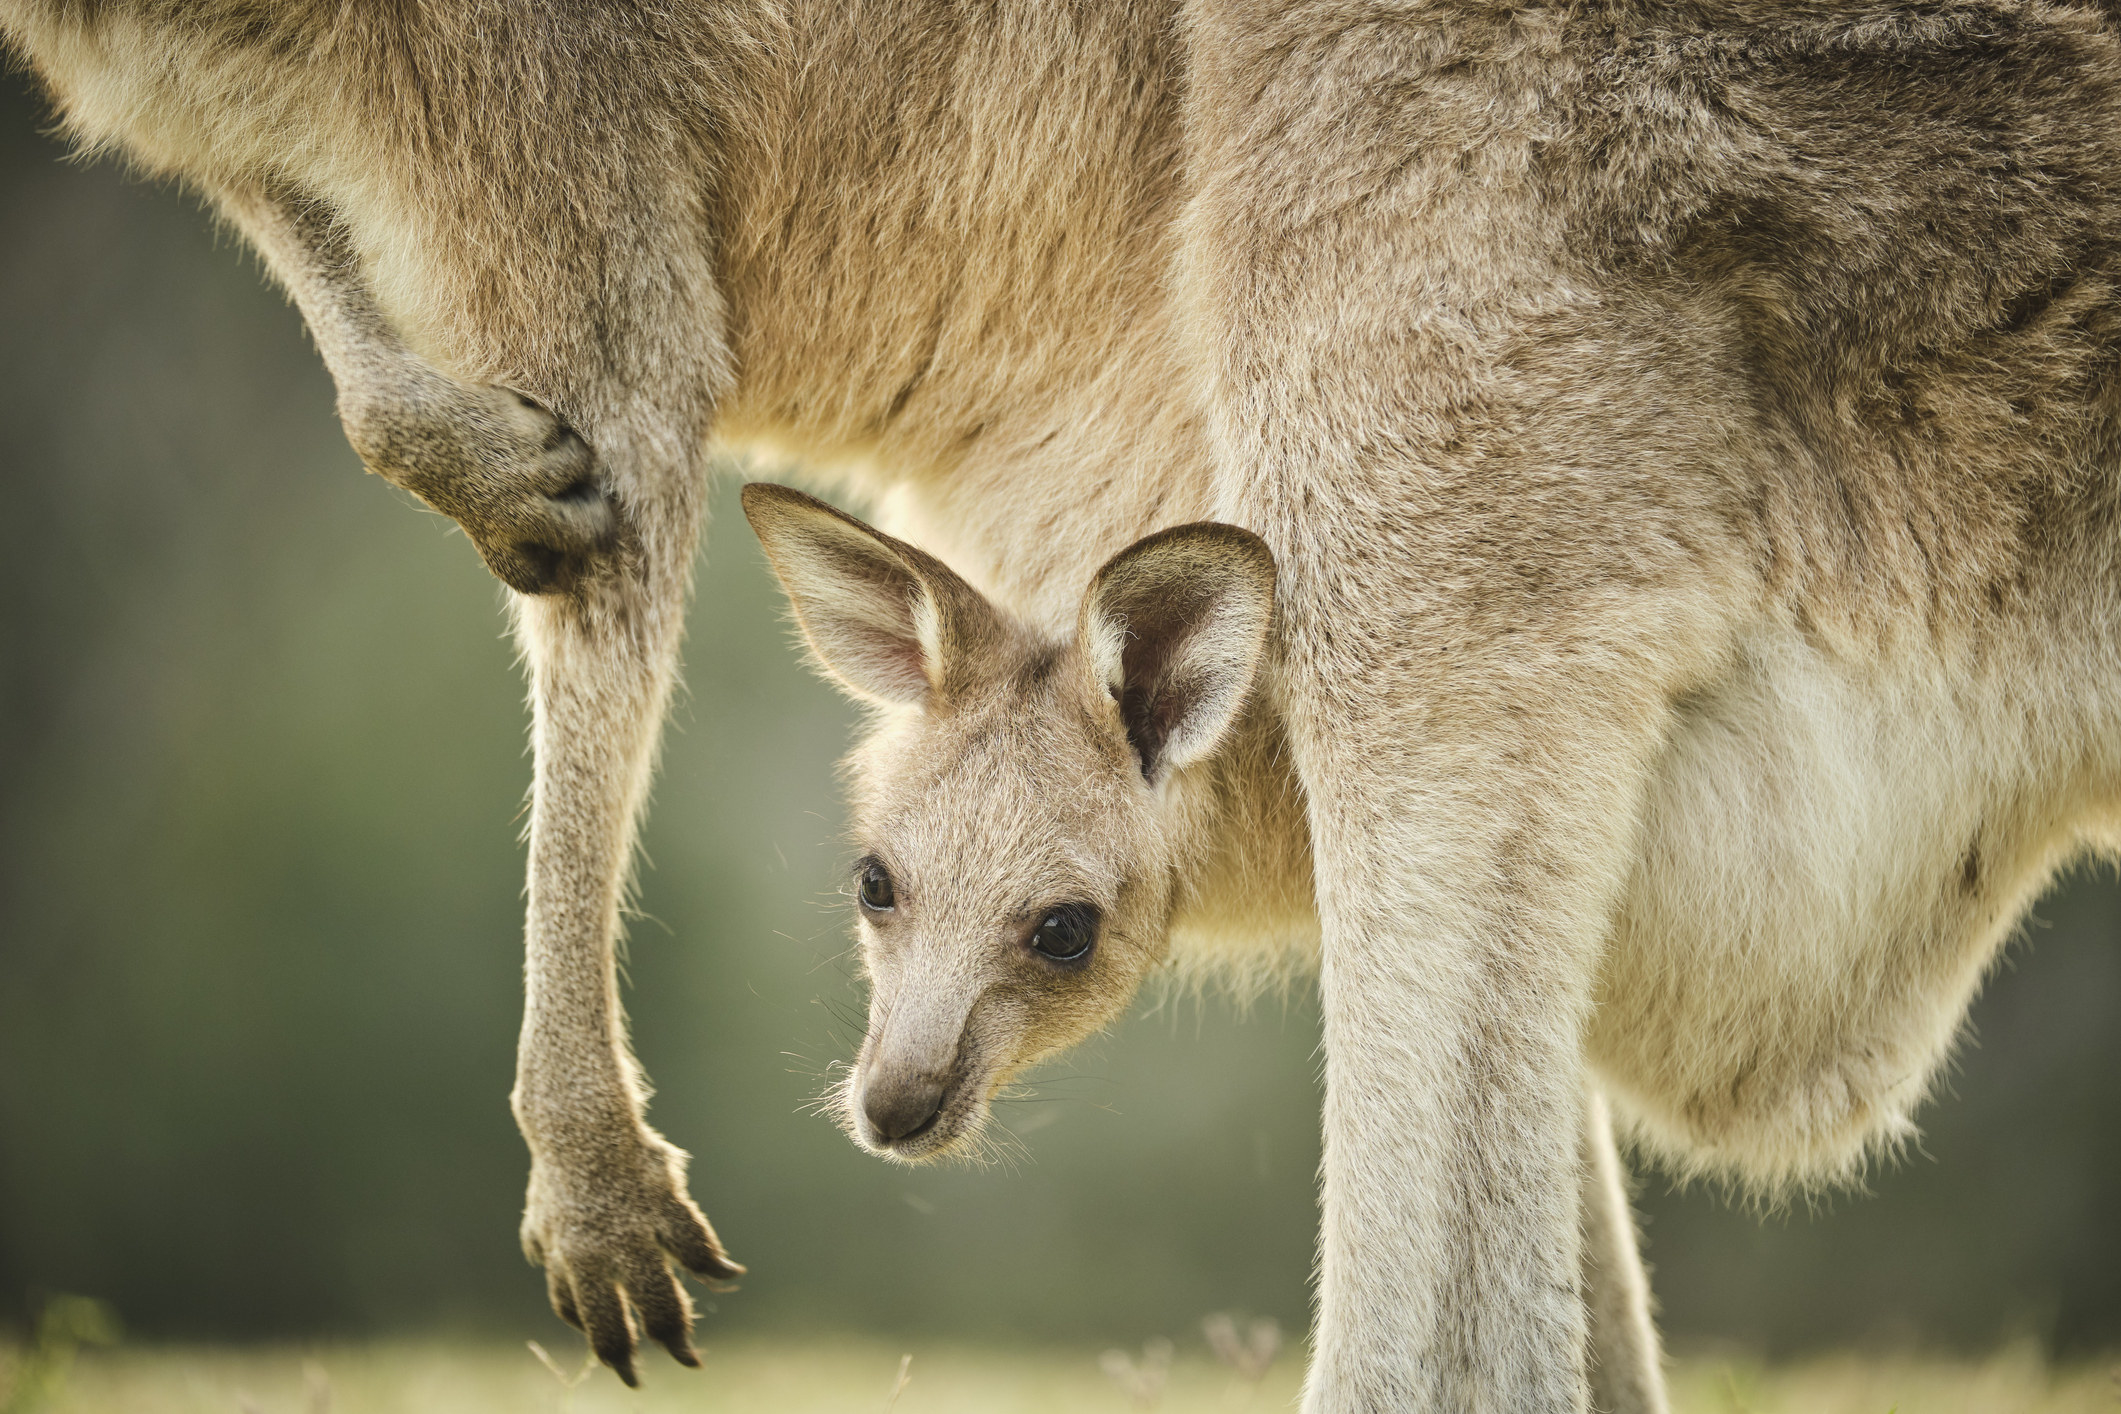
x,y
890,623
1173,629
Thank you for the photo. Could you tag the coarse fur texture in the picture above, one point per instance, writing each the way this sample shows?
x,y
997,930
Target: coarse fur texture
x,y
1683,434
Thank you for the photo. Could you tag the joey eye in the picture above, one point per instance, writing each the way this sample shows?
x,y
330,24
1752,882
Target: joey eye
x,y
875,888
1066,933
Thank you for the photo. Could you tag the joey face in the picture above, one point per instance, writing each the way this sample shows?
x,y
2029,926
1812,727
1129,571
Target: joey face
x,y
1018,805
1012,891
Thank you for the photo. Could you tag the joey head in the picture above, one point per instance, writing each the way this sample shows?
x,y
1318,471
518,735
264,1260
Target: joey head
x,y
1021,806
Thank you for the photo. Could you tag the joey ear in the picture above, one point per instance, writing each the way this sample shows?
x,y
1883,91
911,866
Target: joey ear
x,y
1174,628
890,623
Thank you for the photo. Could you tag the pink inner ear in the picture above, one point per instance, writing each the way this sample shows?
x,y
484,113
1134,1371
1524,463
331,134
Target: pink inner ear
x,y
857,606
867,638
1157,691
889,667
1153,711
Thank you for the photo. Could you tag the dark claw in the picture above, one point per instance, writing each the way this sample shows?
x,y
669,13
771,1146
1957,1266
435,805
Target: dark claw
x,y
582,493
559,1291
664,1309
489,469
530,568
610,1333
688,1238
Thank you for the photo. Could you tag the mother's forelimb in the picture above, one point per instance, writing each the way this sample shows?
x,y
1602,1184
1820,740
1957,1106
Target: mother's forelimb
x,y
522,482
594,526
493,219
607,1202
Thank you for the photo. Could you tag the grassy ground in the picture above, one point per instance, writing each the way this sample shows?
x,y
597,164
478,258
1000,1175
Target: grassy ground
x,y
857,1377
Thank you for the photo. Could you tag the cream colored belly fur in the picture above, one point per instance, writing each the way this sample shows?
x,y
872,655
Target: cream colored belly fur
x,y
1831,856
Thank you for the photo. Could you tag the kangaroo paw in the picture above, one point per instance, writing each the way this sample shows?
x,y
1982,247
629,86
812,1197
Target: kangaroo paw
x,y
522,483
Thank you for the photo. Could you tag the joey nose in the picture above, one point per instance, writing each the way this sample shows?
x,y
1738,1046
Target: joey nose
x,y
899,1106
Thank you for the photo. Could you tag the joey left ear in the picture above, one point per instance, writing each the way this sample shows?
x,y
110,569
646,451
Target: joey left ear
x,y
888,622
1174,628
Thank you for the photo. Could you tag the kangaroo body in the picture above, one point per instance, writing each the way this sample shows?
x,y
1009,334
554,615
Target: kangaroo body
x,y
1685,436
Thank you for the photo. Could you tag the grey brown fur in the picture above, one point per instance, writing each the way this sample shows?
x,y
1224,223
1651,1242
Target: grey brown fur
x,y
1685,435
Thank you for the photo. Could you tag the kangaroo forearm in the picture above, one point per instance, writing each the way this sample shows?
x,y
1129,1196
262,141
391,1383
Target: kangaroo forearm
x,y
575,1091
599,700
494,235
307,252
571,1063
571,1058
588,782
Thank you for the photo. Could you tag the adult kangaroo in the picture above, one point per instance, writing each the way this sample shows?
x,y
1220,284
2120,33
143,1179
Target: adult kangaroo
x,y
1604,379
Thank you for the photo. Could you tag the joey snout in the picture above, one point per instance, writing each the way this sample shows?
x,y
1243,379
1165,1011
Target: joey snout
x,y
910,1094
899,1103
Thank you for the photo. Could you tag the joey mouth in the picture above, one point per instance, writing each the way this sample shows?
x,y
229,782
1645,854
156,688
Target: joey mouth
x,y
956,1114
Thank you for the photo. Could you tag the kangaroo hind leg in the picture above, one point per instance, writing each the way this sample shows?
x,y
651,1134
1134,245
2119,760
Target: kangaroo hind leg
x,y
1626,1366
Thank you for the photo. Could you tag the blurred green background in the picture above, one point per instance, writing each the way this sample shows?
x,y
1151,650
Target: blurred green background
x,y
261,775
